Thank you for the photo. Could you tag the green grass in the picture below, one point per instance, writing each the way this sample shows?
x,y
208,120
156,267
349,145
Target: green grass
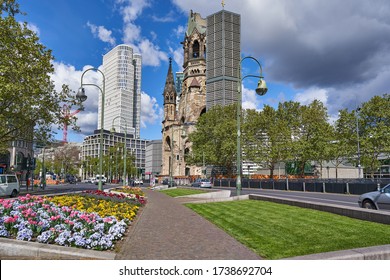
x,y
277,231
181,192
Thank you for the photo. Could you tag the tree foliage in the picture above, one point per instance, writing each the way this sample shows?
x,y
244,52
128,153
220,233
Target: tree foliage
x,y
29,104
113,162
295,132
214,140
343,145
374,131
315,134
268,135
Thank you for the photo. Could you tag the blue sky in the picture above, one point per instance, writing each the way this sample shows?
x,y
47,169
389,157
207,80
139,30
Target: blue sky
x,y
336,52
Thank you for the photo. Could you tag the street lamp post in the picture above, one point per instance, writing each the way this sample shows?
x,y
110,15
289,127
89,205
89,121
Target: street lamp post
x,y
124,149
82,97
358,141
260,90
116,165
43,179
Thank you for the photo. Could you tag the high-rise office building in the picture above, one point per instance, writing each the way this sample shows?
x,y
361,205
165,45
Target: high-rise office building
x,y
179,85
122,70
222,58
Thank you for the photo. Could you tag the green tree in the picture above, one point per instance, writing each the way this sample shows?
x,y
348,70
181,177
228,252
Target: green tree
x,y
214,139
29,104
314,135
374,131
91,165
66,159
268,134
113,161
344,144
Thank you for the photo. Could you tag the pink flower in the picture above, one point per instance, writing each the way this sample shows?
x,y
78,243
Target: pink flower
x,y
11,219
54,218
32,222
69,222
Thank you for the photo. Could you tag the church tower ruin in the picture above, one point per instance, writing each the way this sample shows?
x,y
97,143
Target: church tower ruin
x,y
179,121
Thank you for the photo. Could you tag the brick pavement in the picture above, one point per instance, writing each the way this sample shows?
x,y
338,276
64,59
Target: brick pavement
x,y
167,230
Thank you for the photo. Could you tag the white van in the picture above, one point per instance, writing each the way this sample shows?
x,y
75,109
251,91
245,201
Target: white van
x,y
9,185
104,180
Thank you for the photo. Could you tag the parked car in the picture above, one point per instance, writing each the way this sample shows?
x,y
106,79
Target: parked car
x,y
9,185
202,183
70,179
169,183
379,200
138,182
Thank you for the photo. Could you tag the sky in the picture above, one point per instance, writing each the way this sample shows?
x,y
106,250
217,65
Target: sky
x,y
335,51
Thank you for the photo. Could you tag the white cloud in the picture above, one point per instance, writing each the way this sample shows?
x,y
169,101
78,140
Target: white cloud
x,y
67,74
132,33
132,9
250,100
102,33
339,52
308,96
180,30
150,110
178,57
88,119
151,54
34,28
170,17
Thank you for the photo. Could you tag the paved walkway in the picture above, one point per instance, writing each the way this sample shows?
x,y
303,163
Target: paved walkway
x,y
167,230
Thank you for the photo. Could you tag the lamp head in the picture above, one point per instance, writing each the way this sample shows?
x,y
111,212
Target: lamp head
x,y
81,95
112,130
261,87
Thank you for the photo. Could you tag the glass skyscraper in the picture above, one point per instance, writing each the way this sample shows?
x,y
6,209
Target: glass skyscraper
x,y
122,70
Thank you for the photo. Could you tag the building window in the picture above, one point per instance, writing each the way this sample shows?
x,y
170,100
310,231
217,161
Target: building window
x,y
195,49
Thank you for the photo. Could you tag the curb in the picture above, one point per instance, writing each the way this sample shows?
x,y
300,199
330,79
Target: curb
x,y
210,195
14,249
367,253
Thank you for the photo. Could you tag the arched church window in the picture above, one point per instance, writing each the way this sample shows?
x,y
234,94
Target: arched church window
x,y
203,111
195,49
168,143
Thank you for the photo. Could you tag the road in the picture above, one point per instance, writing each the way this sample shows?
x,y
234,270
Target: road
x,y
63,188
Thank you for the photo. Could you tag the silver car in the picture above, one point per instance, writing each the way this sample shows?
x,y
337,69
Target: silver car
x,y
202,183
379,200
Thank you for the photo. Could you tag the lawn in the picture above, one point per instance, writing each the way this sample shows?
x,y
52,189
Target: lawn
x,y
181,192
276,231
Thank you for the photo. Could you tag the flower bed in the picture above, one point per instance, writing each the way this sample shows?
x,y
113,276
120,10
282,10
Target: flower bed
x,y
83,221
133,192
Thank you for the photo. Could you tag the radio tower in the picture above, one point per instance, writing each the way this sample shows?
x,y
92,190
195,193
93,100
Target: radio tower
x,y
67,115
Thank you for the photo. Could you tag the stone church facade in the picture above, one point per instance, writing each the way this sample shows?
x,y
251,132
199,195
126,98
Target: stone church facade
x,y
180,119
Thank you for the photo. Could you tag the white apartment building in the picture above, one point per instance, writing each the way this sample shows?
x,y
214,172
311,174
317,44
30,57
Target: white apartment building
x,y
122,70
135,146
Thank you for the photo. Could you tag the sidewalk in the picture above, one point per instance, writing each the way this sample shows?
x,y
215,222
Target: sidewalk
x,y
167,230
